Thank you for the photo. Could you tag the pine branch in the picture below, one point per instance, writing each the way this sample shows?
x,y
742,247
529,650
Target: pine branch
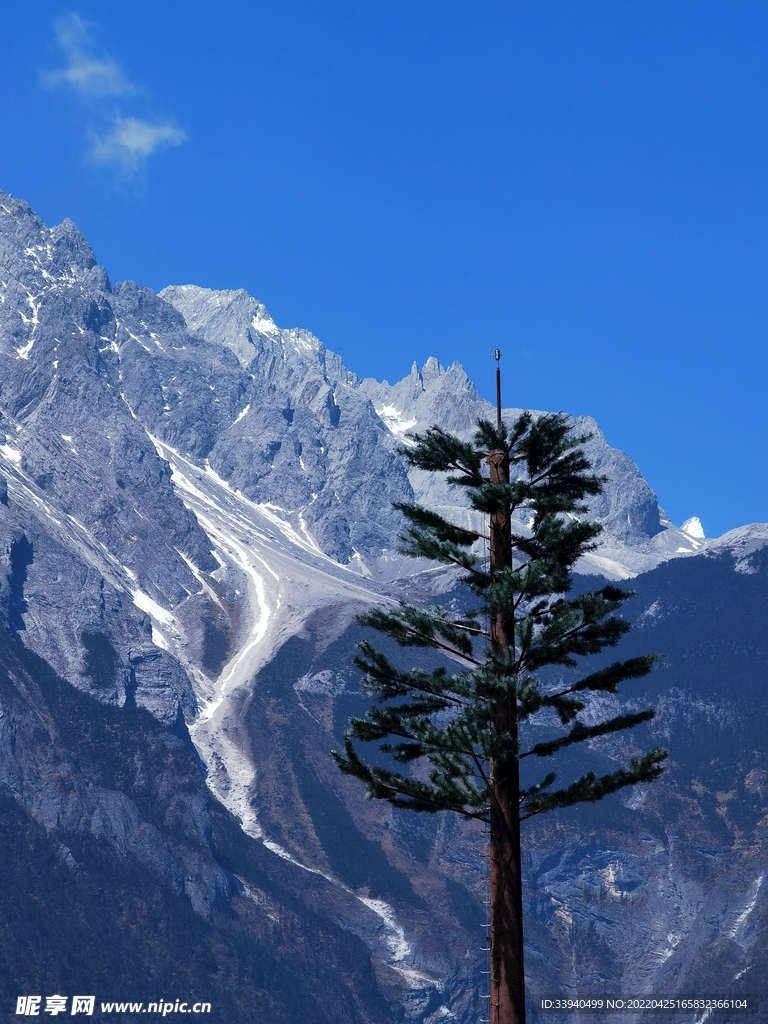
x,y
589,788
608,679
441,528
437,450
581,732
383,678
414,627
405,792
416,543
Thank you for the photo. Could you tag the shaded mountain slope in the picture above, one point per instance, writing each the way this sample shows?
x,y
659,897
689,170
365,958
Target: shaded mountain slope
x,y
123,878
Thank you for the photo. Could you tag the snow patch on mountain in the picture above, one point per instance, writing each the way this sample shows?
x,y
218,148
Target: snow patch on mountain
x,y
286,578
152,608
395,422
751,904
11,453
693,528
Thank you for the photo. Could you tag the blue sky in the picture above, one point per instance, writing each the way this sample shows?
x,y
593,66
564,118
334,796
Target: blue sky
x,y
582,184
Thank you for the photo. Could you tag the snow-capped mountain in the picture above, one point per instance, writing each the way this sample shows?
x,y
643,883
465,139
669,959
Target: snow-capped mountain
x,y
194,504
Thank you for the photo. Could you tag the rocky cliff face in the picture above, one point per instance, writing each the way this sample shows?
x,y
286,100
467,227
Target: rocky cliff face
x,y
194,503
123,879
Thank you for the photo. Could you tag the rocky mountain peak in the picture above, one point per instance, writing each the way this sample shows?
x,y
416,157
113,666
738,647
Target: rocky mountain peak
x,y
36,251
231,318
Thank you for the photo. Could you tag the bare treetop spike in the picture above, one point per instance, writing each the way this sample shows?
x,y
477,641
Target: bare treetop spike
x,y
497,356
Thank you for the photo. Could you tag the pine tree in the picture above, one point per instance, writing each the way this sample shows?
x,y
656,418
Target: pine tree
x,y
466,724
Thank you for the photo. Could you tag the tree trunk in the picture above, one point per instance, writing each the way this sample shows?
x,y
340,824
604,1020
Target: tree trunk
x,y
507,968
507,978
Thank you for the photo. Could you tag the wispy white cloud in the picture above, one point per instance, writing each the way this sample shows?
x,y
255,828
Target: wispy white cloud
x,y
92,77
121,139
132,140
